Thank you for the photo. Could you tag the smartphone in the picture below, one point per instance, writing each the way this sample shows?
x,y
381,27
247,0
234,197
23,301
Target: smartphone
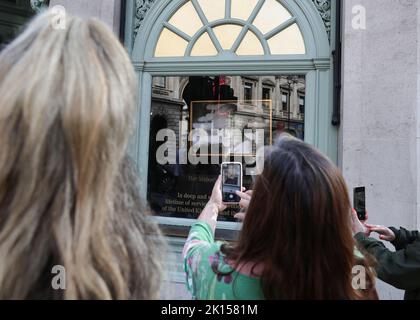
x,y
359,202
231,182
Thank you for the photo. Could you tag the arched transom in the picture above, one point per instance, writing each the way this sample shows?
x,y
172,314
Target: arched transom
x,y
201,28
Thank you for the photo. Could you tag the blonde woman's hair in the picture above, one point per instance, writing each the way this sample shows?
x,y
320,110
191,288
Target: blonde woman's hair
x,y
68,193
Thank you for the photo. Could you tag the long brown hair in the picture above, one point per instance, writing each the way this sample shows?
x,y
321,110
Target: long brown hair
x,y
68,194
297,227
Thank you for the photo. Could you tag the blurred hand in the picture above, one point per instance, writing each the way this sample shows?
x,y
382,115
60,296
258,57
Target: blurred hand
x,y
240,216
357,225
244,203
245,198
216,195
384,232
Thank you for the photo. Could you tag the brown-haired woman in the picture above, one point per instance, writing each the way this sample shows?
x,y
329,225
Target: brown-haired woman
x,y
68,195
296,241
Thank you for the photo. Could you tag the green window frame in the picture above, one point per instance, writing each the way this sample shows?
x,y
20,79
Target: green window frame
x,y
315,64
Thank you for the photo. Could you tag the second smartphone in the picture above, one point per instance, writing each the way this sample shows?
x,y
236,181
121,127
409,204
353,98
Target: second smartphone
x,y
231,173
359,202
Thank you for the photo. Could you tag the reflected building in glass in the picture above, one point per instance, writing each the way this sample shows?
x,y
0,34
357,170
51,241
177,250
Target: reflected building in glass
x,y
273,104
285,95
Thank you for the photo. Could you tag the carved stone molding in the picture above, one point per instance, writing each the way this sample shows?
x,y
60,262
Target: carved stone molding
x,y
142,7
324,9
38,5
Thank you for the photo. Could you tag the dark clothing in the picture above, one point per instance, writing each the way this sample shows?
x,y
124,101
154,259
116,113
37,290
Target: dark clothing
x,y
400,269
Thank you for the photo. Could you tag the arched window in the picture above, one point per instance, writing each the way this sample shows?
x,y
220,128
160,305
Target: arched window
x,y
268,60
238,27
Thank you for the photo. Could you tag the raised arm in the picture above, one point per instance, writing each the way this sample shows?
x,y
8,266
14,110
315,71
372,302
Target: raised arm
x,y
400,269
403,237
214,206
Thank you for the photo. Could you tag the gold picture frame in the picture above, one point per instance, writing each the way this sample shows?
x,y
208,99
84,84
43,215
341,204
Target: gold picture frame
x,y
252,103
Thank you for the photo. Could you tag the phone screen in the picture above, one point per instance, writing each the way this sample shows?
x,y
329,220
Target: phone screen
x,y
231,182
360,202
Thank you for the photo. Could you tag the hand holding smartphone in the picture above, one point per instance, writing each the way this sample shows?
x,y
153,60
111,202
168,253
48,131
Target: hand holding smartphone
x,y
231,182
359,202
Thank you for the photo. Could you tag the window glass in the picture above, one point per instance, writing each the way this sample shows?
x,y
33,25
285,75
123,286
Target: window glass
x,y
271,15
213,9
302,104
289,41
227,34
285,100
204,46
250,46
185,25
13,17
242,9
170,45
205,118
186,19
159,82
248,88
266,95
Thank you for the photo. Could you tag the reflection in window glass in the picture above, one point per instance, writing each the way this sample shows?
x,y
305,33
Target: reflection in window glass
x,y
227,34
170,45
250,46
159,82
211,104
301,104
204,46
213,9
248,88
289,41
271,15
266,94
186,19
284,100
242,9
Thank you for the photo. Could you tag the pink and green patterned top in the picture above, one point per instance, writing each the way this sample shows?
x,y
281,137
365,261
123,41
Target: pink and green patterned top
x,y
202,257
